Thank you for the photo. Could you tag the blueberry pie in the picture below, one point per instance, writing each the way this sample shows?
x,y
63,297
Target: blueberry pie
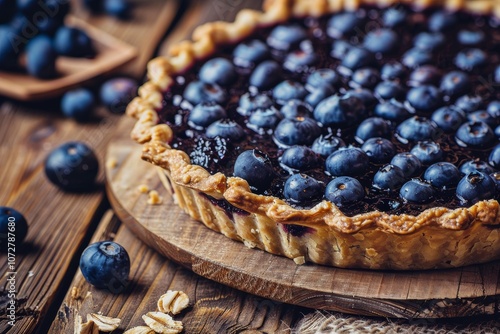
x,y
355,134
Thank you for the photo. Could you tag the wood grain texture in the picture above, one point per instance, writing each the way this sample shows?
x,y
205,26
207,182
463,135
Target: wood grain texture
x,y
458,292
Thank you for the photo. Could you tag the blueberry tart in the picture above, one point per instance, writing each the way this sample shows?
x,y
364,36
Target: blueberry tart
x,y
355,134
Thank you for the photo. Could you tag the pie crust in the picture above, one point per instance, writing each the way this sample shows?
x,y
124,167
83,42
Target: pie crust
x,y
436,238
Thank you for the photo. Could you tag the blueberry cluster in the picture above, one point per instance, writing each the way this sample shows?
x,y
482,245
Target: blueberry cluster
x,y
383,109
36,29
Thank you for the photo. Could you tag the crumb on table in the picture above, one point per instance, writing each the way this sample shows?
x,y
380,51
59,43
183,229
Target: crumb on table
x,y
144,189
111,163
154,198
299,260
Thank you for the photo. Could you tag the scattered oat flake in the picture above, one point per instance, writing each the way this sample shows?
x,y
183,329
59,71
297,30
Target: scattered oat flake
x,y
75,292
173,302
144,189
299,260
154,198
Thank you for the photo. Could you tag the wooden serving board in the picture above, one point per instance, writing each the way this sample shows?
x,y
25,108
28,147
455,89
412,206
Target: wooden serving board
x,y
468,291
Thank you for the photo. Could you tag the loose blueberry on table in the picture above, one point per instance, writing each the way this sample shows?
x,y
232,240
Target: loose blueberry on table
x,y
78,104
13,228
400,119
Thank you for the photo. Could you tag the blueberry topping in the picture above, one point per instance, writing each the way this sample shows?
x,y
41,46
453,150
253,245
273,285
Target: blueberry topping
x,y
299,158
296,131
323,77
326,145
373,127
41,57
340,48
266,75
249,103
285,37
425,75
471,59
218,71
417,191
73,42
379,150
392,110
343,24
381,41
476,134
455,83
389,177
442,175
409,164
12,222
415,57
117,93
264,119
299,61
300,188
394,17
365,95
296,108
388,90
470,37
106,265
344,190
197,92
8,54
393,71
442,21
250,53
205,114
225,128
429,41
494,158
319,94
483,116
474,187
78,104
255,167
469,103
350,161
476,165
357,58
417,128
494,109
427,152
425,98
289,90
448,119
365,77
339,110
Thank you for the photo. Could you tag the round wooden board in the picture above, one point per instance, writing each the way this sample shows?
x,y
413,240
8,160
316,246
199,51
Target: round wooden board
x,y
460,292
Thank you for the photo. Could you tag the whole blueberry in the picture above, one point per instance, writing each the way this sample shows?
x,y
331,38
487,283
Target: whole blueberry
x,y
469,103
415,57
448,119
255,167
300,61
78,104
470,37
483,116
379,150
494,109
425,75
322,77
455,83
442,21
417,191
409,164
340,48
197,92
296,108
344,190
417,128
393,70
442,175
476,165
425,98
289,90
426,41
345,23
205,113
365,77
8,54
394,16
392,110
118,8
387,90
285,37
41,57
300,188
225,128
357,58
73,42
381,40
72,166
299,158
218,71
471,59
266,75
106,265
319,94
49,15
389,177
365,95
494,157
296,131
263,119
326,145
117,93
475,134
373,127
340,110
428,152
13,228
497,74
249,103
250,53
350,161
474,187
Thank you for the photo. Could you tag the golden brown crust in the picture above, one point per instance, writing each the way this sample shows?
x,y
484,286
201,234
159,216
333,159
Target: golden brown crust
x,y
330,224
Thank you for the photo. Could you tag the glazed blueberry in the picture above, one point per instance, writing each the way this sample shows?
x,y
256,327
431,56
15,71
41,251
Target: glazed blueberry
x,y
118,8
448,119
73,42
340,48
476,134
393,71
286,37
319,94
250,53
344,190
299,61
225,128
41,57
218,71
296,131
469,103
106,265
389,177
326,145
56,10
366,96
197,92
417,191
455,83
425,98
425,75
8,55
296,108
379,150
415,57
266,75
427,152
483,116
248,103
344,24
289,90
494,157
373,127
350,161
494,109
409,164
255,167
357,58
381,41
476,165
263,119
474,187
300,188
206,113
392,110
387,90
339,110
72,166
442,21
394,16
471,59
426,41
470,37
78,104
322,77
442,175
299,158
417,128
13,222
365,77
117,93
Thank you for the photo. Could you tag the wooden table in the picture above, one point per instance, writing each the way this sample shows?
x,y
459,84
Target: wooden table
x,y
50,287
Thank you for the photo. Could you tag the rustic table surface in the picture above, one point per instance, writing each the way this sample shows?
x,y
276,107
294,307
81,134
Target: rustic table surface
x,y
50,287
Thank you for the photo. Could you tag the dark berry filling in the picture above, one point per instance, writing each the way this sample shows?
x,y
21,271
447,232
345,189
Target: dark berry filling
x,y
368,109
